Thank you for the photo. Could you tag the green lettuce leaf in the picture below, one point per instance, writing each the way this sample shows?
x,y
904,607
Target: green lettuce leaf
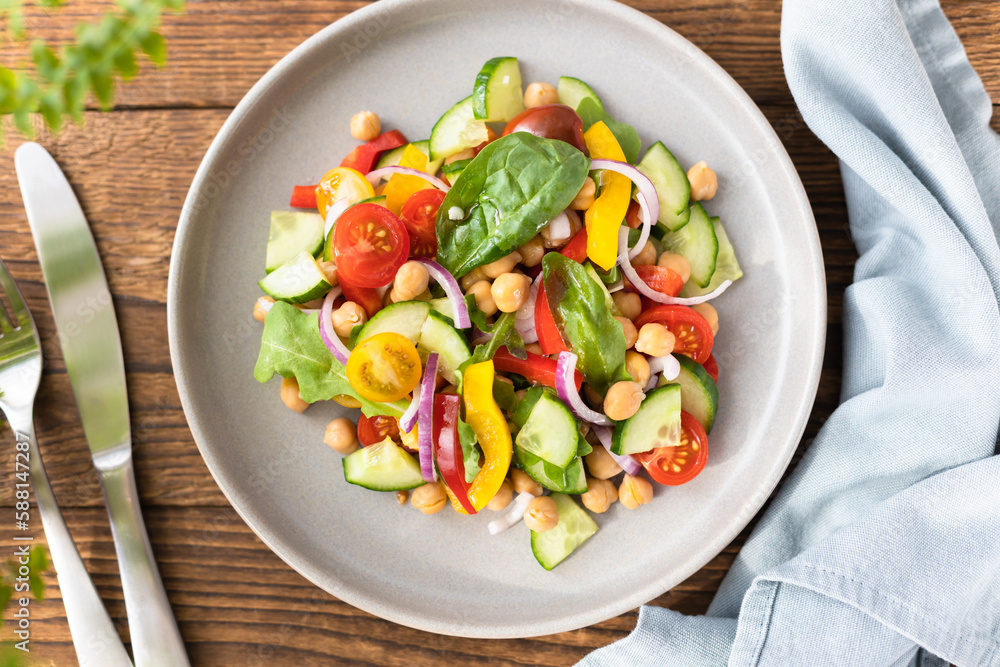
x,y
470,452
291,347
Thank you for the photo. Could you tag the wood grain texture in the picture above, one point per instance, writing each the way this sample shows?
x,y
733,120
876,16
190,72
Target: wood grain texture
x,y
237,602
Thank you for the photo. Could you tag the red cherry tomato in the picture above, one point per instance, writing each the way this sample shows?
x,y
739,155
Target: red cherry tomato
x,y
419,214
372,430
370,244
676,465
576,249
712,368
693,334
552,121
660,278
366,297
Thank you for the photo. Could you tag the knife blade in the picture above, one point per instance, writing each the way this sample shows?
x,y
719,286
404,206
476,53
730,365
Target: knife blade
x,y
88,334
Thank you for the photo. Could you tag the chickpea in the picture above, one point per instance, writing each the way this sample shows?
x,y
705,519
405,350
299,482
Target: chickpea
x,y
553,236
261,308
629,303
600,495
522,482
472,277
347,317
484,297
634,491
646,256
585,197
623,400
429,498
519,394
637,367
655,340
402,497
676,263
532,251
704,182
466,154
541,515
502,498
494,270
330,271
629,329
342,436
290,395
600,463
540,93
710,314
510,291
534,348
411,280
365,126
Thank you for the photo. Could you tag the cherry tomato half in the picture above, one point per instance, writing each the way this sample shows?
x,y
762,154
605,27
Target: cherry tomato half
x,y
673,466
384,368
372,430
693,334
368,298
660,278
370,244
342,183
419,214
552,121
711,367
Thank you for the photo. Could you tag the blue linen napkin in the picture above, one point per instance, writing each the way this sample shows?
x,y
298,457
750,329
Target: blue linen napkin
x,y
883,547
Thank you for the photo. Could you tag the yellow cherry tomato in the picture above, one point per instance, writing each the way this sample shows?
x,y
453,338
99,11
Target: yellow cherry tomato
x,y
341,182
384,368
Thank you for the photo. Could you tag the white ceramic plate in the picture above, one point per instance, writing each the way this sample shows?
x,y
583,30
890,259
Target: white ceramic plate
x,y
409,60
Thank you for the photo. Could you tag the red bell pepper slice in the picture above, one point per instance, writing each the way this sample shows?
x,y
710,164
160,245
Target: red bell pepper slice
x,y
576,249
363,157
549,338
303,196
366,297
448,448
536,368
712,368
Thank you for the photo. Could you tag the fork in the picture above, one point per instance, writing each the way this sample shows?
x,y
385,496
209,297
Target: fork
x,y
95,639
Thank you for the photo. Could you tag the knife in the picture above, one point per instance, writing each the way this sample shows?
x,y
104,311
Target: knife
x,y
91,345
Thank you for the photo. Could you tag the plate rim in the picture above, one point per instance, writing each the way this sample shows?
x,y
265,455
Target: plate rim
x,y
566,622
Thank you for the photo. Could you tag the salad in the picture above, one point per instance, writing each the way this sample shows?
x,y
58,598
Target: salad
x,y
518,305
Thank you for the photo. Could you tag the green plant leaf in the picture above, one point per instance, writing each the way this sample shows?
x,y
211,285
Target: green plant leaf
x,y
126,65
155,48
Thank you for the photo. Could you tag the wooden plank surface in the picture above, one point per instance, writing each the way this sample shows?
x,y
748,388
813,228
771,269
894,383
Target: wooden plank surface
x,y
237,602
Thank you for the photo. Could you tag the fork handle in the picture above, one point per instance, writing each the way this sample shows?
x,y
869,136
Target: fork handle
x,y
94,636
156,640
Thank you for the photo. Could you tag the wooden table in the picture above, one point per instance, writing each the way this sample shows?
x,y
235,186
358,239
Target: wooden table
x,y
237,602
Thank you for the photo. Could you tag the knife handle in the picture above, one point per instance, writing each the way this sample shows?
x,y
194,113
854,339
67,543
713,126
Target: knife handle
x,y
95,639
156,641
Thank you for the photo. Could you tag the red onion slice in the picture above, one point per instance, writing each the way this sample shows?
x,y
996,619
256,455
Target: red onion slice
x,y
326,332
626,463
667,365
514,514
524,319
646,290
425,428
649,201
566,388
452,290
409,418
375,176
335,211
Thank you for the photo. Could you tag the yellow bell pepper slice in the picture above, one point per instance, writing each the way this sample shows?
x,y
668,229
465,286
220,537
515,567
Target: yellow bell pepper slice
x,y
607,213
341,183
484,416
401,186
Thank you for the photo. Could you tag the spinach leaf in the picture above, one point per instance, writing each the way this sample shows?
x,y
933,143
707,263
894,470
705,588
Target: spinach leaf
x,y
291,347
585,322
590,113
470,452
505,196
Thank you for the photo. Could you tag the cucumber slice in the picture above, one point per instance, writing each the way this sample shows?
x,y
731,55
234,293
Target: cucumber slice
x,y
574,528
550,432
672,186
497,94
657,423
292,232
392,158
438,335
405,318
454,170
456,130
298,280
573,91
698,243
443,306
384,466
699,395
726,266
